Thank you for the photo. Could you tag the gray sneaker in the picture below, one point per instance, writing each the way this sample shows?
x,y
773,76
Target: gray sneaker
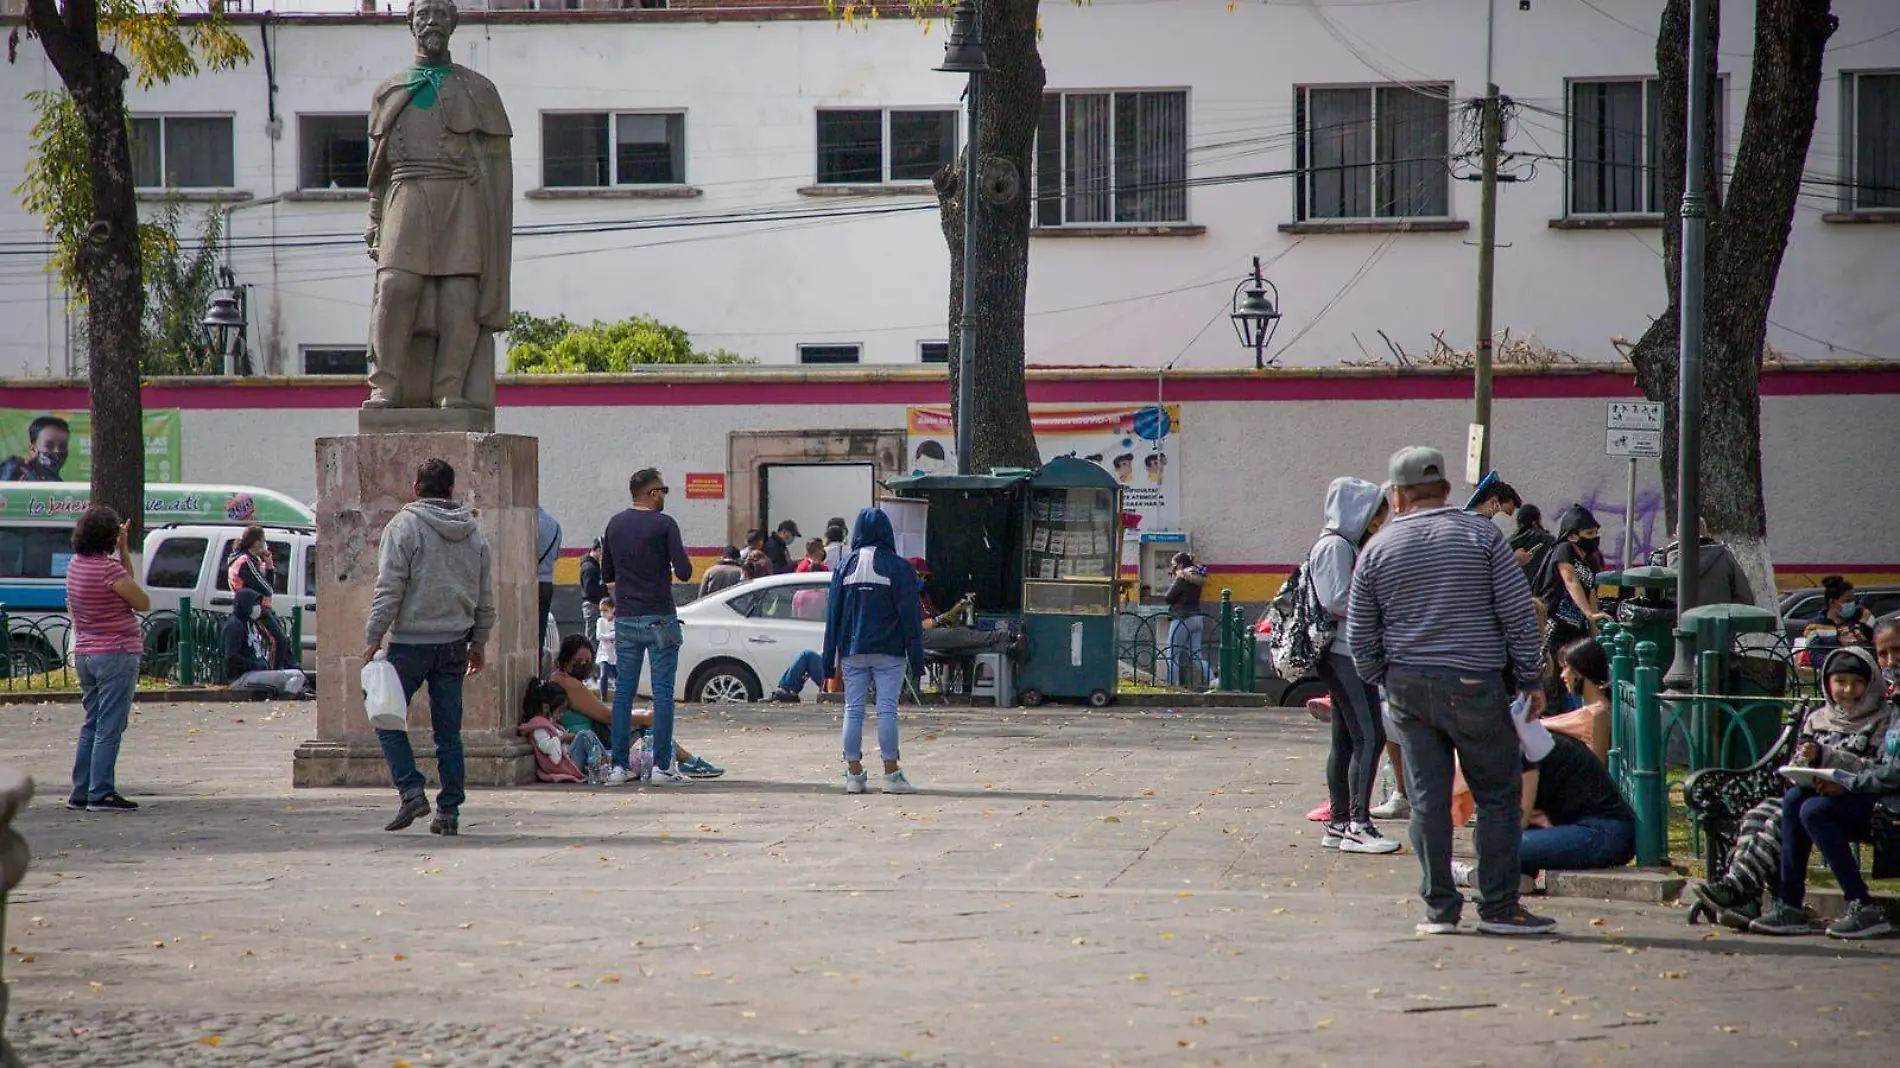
x,y
1519,921
896,783
1395,807
856,782
1863,919
1781,918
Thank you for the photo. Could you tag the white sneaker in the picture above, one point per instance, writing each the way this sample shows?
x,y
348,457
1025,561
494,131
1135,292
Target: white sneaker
x,y
896,783
619,776
1365,838
668,777
856,782
1463,874
1394,807
1335,834
1435,927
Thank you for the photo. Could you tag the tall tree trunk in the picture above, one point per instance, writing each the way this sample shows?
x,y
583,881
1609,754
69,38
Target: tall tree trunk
x,y
109,259
1747,237
1006,122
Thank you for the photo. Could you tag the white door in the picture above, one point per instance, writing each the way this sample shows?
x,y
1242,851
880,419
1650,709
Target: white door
x,y
810,494
782,622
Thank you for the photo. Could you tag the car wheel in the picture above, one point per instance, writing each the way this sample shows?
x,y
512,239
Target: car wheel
x,y
725,683
1030,698
1099,698
1301,692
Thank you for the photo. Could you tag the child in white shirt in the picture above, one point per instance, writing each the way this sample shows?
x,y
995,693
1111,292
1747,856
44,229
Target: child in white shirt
x,y
605,658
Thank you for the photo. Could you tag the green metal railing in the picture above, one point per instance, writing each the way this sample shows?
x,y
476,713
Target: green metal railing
x,y
35,649
1653,732
1157,651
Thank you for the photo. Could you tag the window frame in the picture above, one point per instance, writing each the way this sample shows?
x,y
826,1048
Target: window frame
x,y
1651,84
885,112
303,162
1851,136
1303,149
856,346
1061,196
162,117
304,351
152,561
949,353
613,155
34,542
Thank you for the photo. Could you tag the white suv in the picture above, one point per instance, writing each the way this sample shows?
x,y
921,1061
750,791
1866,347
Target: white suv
x,y
189,560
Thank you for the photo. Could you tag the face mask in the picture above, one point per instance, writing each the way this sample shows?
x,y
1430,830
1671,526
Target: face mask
x,y
257,611
582,672
1589,545
1849,609
1891,676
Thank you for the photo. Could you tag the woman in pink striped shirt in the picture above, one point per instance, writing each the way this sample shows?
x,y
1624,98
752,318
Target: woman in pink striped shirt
x,y
104,600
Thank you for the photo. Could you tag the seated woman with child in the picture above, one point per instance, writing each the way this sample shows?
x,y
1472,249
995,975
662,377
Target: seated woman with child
x,y
573,666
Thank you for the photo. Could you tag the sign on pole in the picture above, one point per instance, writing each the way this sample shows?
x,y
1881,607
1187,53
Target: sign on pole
x,y
1474,454
1636,415
1644,444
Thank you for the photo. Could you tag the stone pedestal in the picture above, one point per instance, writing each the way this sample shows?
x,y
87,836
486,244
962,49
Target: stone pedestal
x,y
362,481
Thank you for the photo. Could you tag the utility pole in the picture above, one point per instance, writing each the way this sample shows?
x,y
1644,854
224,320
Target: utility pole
x,y
1487,243
1695,222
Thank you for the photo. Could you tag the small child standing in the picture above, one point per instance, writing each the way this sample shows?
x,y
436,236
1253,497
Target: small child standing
x,y
605,657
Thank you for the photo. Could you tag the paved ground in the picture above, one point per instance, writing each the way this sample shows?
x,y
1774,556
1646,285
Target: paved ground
x,y
1070,889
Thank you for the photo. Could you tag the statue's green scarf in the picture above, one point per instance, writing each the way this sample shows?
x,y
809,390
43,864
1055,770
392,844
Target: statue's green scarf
x,y
423,82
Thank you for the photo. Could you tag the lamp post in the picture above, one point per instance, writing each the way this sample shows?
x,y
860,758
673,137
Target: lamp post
x,y
1255,315
1695,222
228,316
963,54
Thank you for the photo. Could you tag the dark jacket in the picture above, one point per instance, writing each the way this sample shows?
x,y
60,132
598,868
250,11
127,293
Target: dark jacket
x,y
592,588
780,556
240,656
1719,578
875,606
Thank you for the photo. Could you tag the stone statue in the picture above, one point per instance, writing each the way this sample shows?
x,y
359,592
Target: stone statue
x,y
441,217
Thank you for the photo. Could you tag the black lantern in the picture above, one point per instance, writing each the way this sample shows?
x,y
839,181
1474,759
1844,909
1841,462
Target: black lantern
x,y
1255,314
225,317
963,52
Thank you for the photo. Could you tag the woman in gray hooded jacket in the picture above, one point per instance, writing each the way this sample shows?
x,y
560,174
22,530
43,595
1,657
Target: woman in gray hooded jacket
x,y
1355,509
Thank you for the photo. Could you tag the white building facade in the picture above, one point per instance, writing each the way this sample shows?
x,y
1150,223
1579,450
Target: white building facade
x,y
761,178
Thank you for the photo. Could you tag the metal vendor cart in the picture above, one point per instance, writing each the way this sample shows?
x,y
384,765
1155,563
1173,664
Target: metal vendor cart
x,y
1072,544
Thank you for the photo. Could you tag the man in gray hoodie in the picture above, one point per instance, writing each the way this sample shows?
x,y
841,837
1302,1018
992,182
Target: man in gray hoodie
x,y
1355,509
435,601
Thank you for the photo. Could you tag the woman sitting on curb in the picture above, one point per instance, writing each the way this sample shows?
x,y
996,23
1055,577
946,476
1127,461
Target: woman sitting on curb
x,y
573,666
1855,732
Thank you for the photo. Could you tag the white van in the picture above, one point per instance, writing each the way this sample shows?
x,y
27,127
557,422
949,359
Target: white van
x,y
191,529
190,560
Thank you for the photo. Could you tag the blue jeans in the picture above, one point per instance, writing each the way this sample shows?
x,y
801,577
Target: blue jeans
x,y
1187,644
106,682
1592,842
609,678
861,670
809,667
637,637
586,749
1437,714
1830,824
442,668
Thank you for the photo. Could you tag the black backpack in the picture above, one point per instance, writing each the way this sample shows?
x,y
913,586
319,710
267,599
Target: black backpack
x,y
1299,629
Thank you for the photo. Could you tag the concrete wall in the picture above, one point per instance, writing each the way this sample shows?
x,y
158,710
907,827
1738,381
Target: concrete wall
x,y
1255,452
750,88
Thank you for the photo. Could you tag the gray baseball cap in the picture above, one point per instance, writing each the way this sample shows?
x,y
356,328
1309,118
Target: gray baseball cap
x,y
1416,465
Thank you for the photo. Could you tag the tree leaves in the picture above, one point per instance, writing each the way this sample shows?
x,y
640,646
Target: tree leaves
x,y
559,346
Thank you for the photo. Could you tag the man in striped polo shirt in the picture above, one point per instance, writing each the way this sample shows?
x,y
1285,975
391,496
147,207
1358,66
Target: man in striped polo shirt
x,y
1440,611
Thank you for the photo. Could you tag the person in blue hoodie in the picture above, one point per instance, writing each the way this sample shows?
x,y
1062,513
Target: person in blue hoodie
x,y
874,633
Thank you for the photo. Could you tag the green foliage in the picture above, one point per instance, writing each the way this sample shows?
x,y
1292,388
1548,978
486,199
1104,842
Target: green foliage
x,y
157,48
540,345
179,283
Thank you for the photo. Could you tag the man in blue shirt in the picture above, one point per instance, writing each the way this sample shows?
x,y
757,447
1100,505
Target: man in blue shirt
x,y
641,555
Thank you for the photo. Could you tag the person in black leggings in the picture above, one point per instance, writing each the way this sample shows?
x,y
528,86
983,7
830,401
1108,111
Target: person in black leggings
x,y
1355,510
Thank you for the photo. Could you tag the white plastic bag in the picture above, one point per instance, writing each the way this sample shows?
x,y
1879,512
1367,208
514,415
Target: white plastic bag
x,y
382,696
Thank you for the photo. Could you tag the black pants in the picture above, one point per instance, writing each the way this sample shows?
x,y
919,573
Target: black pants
x,y
1358,739
546,602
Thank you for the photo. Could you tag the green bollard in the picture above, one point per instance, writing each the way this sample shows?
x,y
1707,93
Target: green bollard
x,y
1228,645
296,634
1650,798
187,645
1622,677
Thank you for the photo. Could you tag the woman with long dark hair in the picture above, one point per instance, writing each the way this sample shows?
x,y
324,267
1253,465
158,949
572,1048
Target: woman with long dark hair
x,y
104,599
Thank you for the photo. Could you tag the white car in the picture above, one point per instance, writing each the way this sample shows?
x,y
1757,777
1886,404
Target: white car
x,y
739,641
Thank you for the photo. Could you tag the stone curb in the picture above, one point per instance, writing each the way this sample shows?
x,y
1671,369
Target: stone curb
x,y
1665,886
194,695
1124,701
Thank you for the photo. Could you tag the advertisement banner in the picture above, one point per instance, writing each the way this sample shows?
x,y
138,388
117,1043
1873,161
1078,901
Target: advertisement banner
x,y
43,446
1138,444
